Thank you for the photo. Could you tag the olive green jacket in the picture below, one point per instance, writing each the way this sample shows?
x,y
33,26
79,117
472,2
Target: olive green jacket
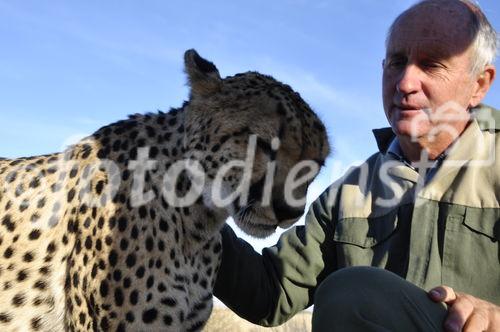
x,y
443,231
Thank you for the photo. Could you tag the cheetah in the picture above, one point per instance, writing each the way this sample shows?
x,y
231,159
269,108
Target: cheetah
x,y
107,236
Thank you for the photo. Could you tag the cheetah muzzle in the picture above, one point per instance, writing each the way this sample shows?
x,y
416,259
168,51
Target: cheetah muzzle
x,y
121,230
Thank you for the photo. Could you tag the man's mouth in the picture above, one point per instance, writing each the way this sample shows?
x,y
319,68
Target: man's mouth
x,y
408,107
409,110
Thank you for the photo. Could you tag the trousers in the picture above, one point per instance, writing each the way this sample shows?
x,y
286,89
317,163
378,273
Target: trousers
x,y
372,299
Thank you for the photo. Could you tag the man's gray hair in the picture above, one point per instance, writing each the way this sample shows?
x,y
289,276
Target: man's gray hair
x,y
485,44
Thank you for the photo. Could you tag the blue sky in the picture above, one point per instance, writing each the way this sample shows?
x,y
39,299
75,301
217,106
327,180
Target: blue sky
x,y
68,68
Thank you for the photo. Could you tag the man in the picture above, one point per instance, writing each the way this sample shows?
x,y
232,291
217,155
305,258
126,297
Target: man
x,y
425,207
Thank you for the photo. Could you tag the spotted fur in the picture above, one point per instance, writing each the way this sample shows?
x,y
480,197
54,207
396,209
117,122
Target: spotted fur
x,y
76,257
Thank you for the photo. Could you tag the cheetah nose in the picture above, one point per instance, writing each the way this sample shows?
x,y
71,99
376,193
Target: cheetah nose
x,y
285,212
289,214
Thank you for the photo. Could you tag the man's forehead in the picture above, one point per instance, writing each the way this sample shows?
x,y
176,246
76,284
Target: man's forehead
x,y
440,30
438,46
420,52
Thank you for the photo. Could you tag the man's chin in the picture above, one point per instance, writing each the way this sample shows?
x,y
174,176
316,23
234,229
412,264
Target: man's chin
x,y
409,130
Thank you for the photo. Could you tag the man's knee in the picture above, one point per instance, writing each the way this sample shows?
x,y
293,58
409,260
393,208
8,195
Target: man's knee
x,y
349,288
367,299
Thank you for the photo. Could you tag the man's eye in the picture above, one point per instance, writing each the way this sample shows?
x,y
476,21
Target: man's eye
x,y
396,63
431,64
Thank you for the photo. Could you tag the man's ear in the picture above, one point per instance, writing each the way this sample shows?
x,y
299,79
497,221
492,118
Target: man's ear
x,y
483,84
203,76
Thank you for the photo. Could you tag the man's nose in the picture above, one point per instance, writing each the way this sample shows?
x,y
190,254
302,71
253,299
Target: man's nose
x,y
409,82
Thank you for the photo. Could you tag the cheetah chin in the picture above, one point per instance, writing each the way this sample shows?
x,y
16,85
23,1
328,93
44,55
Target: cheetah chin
x,y
253,221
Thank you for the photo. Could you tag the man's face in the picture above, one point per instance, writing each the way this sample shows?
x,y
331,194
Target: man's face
x,y
427,81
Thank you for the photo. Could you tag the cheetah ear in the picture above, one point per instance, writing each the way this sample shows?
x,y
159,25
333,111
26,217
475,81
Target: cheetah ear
x,y
203,76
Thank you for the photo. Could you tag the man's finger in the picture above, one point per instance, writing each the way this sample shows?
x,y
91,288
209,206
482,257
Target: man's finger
x,y
458,314
443,294
478,321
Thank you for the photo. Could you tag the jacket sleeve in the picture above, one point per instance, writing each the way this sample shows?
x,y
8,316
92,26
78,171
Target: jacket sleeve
x,y
269,289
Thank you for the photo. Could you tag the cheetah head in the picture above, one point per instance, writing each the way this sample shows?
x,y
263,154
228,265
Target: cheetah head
x,y
258,142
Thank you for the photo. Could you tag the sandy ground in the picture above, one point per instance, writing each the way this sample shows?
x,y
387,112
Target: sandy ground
x,y
224,320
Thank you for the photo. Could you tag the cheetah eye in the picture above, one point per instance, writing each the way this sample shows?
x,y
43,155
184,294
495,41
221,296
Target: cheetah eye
x,y
266,148
321,163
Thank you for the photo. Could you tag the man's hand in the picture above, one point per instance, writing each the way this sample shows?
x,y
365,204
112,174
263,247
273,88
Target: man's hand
x,y
466,312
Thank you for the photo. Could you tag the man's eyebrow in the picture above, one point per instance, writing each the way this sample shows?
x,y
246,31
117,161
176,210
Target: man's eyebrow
x,y
396,54
434,56
428,54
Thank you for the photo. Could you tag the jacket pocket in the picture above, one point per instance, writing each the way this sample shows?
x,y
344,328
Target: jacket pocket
x,y
370,241
485,221
471,253
365,232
